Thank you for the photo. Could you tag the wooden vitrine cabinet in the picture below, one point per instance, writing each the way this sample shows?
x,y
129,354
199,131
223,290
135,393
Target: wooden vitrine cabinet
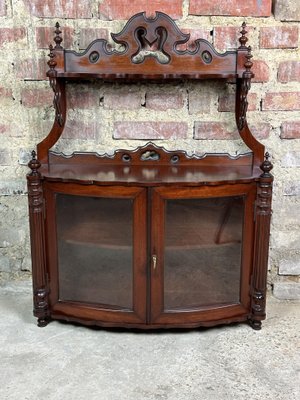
x,y
149,238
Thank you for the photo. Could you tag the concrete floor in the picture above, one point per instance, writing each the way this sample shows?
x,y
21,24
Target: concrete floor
x,y
63,361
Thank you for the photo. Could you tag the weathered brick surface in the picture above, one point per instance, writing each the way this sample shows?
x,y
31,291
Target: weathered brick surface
x,y
119,9
59,8
87,35
5,157
227,103
81,130
150,130
36,97
282,101
261,71
4,128
287,10
3,9
226,37
45,34
211,130
291,159
195,34
231,7
261,130
292,188
5,92
289,71
129,99
287,290
199,101
31,69
11,35
289,267
164,101
83,98
290,130
279,37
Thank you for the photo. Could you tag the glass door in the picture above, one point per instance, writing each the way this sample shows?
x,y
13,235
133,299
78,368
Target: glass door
x,y
199,239
98,236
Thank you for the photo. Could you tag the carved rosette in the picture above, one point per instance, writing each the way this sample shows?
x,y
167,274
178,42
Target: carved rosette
x,y
37,234
261,245
52,74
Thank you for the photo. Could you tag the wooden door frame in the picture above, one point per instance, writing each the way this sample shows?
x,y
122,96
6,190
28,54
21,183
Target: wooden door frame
x,y
80,311
207,313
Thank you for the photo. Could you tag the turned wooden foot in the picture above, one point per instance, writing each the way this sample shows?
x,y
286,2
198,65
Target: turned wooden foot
x,y
256,325
43,322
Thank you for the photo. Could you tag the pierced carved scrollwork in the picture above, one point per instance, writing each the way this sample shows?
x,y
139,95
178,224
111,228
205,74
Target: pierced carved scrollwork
x,y
246,85
151,49
52,74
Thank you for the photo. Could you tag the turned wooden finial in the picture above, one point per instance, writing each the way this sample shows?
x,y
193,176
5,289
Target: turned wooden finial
x,y
57,38
243,39
266,167
248,64
34,164
52,63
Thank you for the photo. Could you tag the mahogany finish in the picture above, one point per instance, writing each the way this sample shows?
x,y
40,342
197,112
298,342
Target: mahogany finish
x,y
149,238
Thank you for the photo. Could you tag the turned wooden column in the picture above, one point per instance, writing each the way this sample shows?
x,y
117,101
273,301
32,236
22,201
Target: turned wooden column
x,y
261,245
37,234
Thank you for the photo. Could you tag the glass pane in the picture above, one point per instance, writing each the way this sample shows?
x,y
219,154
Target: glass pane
x,y
202,252
95,250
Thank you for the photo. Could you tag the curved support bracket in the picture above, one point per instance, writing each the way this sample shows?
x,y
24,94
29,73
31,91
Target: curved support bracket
x,y
59,101
242,89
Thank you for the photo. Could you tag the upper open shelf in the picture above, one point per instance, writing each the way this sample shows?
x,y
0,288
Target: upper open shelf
x,y
150,49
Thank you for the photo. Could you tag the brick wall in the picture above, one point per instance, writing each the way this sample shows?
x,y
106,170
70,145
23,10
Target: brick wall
x,y
195,117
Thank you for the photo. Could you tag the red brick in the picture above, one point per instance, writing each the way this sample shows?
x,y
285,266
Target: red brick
x,y
31,69
150,130
226,37
287,10
279,37
5,92
289,71
195,34
164,101
227,103
282,101
231,7
11,35
59,8
212,130
76,129
4,128
290,130
199,101
87,35
45,34
36,97
83,98
261,130
261,71
130,99
3,10
124,9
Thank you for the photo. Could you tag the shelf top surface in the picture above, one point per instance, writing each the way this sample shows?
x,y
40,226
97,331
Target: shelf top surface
x,y
148,175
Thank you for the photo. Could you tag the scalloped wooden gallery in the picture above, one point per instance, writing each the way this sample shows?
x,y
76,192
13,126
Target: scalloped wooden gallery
x,y
149,238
